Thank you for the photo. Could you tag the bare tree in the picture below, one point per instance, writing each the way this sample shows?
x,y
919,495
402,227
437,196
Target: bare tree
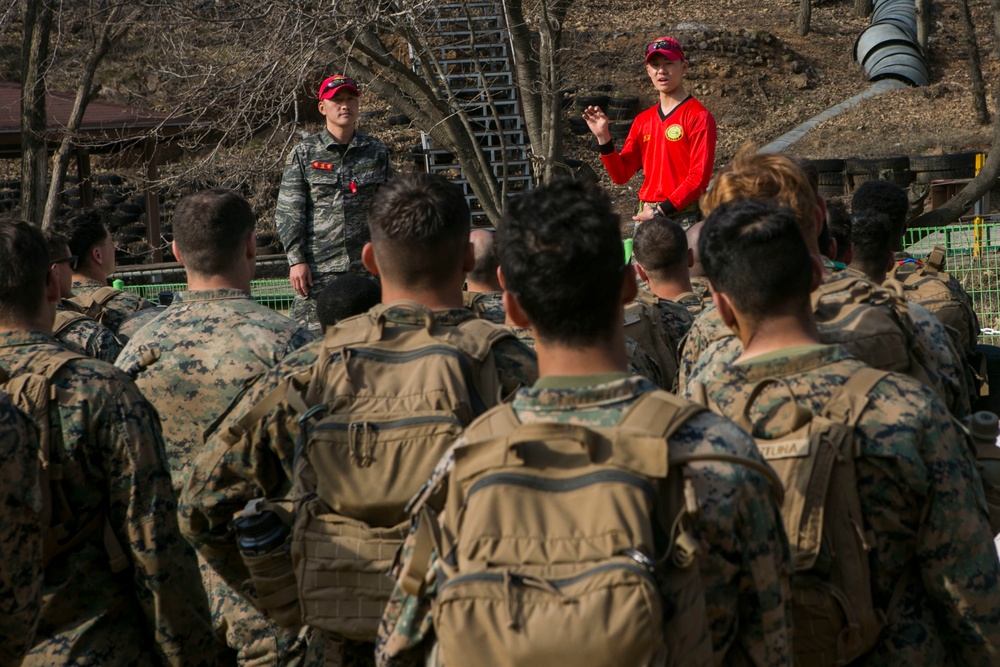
x,y
975,67
804,17
863,8
923,23
106,23
37,27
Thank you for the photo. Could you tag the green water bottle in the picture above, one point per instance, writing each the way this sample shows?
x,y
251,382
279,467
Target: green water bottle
x,y
118,284
628,249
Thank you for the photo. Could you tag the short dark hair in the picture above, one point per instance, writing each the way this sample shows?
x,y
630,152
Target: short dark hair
x,y
872,241
211,229
661,246
883,197
839,221
418,223
346,296
485,270
754,252
24,263
561,254
55,243
83,229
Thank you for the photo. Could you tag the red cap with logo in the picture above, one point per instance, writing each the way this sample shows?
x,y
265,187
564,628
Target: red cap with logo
x,y
330,86
668,47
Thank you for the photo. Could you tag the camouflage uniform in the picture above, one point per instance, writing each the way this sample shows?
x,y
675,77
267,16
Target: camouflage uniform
x,y
694,303
745,561
89,337
640,362
118,308
137,321
676,318
920,495
224,478
487,305
702,287
154,611
213,344
710,343
322,210
20,533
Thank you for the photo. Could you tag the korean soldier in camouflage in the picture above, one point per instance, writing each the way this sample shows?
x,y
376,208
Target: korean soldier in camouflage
x,y
210,344
20,532
783,179
123,589
327,187
72,327
933,564
573,300
483,293
409,251
89,239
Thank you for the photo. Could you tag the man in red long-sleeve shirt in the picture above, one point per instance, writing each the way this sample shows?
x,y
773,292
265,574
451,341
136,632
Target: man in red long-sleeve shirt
x,y
672,142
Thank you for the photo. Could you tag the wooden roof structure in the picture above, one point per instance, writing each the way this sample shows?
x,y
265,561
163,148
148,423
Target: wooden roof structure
x,y
105,128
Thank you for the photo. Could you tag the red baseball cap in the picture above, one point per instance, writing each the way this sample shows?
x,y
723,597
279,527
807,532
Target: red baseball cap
x,y
668,47
330,86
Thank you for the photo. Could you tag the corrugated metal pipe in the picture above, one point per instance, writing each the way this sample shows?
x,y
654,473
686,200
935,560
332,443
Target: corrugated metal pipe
x,y
888,48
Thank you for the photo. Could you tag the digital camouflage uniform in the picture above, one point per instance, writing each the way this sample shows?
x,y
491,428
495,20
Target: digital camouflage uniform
x,y
225,478
920,496
213,344
640,362
745,561
676,318
118,308
694,303
155,611
89,337
322,210
20,533
710,343
487,305
702,287
136,321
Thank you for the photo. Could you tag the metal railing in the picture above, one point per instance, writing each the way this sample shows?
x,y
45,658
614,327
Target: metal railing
x,y
275,294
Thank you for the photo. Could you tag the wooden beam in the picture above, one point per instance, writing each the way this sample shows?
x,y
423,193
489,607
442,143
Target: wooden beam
x,y
152,196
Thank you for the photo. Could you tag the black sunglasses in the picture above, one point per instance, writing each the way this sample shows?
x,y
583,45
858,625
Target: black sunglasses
x,y
71,260
339,82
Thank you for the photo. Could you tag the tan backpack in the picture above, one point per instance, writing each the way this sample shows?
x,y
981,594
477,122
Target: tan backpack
x,y
643,324
558,540
36,394
380,409
94,304
871,323
64,320
834,615
930,286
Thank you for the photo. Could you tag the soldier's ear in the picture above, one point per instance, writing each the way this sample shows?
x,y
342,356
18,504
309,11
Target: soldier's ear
x,y
177,253
368,259
817,272
725,308
514,314
641,271
503,285
629,288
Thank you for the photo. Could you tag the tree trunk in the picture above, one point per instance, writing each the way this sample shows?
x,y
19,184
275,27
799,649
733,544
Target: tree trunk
x,y
37,22
978,186
66,147
995,7
923,23
975,67
863,8
804,18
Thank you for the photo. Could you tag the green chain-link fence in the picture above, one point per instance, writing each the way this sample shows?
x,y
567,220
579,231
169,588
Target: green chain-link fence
x,y
276,294
974,259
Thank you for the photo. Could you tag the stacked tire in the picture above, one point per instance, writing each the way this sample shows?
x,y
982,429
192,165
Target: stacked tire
x,y
895,169
929,168
832,181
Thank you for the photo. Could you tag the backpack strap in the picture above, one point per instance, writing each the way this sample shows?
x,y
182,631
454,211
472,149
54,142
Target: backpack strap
x,y
64,320
102,295
847,405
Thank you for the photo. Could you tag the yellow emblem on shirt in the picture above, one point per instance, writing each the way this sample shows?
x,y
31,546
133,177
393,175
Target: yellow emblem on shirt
x,y
675,132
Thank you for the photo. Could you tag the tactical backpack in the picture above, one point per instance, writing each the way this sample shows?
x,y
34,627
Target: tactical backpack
x,y
931,287
872,323
834,615
376,412
36,394
643,324
558,542
94,304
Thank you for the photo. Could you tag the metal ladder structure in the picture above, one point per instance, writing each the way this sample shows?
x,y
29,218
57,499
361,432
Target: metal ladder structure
x,y
471,43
